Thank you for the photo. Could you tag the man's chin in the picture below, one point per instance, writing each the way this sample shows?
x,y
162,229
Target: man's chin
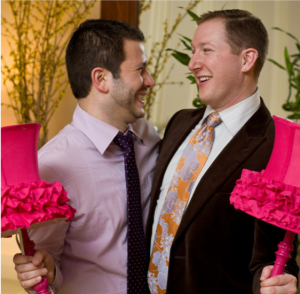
x,y
140,113
137,115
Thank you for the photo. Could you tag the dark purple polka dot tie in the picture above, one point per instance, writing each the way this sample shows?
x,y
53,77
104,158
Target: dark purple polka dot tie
x,y
137,259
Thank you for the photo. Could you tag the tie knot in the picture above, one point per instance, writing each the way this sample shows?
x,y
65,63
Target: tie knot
x,y
125,142
213,119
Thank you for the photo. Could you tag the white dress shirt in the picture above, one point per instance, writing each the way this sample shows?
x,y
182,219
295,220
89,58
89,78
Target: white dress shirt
x,y
233,119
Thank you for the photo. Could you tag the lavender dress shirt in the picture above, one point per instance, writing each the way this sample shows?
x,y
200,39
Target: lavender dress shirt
x,y
90,252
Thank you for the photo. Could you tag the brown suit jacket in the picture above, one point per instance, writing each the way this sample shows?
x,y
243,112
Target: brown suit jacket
x,y
213,246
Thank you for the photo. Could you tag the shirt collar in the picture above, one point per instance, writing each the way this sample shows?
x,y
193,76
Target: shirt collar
x,y
236,116
136,131
99,132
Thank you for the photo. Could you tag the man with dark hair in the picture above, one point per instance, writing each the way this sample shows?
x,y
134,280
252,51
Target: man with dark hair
x,y
198,242
105,160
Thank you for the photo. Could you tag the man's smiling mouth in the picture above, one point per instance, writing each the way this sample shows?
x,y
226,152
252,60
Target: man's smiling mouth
x,y
141,97
204,79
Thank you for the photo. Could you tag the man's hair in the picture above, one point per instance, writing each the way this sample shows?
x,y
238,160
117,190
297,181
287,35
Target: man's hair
x,y
97,43
243,30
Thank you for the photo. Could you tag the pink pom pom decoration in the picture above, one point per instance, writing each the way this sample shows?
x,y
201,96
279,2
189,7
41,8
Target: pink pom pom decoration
x,y
271,201
273,195
28,203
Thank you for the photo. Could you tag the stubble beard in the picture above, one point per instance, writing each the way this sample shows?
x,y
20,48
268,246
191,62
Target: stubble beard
x,y
124,96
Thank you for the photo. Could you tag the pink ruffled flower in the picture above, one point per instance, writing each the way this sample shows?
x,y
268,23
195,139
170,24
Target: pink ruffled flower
x,y
271,201
28,203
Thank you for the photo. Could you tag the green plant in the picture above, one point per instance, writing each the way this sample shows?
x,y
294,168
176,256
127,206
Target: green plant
x,y
144,5
159,55
184,58
292,67
34,75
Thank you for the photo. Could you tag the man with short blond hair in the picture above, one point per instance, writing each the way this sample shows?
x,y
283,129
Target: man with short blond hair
x,y
198,242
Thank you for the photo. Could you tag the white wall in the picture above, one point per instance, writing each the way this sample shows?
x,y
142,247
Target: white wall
x,y
273,85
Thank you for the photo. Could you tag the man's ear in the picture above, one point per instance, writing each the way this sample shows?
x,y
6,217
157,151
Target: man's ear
x,y
250,56
99,77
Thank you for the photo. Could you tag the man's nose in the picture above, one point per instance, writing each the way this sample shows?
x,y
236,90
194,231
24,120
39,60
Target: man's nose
x,y
148,80
195,62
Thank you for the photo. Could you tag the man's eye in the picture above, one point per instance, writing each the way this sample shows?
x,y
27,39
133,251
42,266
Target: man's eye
x,y
206,50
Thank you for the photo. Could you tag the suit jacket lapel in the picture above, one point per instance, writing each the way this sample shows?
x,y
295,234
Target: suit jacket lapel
x,y
172,140
245,142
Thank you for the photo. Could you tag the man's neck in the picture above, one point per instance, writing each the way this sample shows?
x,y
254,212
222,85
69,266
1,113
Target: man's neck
x,y
246,93
95,110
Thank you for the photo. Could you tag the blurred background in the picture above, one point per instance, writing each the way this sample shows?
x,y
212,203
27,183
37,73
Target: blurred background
x,y
162,23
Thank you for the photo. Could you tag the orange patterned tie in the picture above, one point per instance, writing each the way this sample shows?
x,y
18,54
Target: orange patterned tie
x,y
189,166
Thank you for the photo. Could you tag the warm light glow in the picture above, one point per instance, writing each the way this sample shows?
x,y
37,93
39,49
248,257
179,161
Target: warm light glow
x,y
7,115
9,282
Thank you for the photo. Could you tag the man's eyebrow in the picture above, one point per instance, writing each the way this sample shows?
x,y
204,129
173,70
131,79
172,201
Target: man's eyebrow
x,y
142,64
201,44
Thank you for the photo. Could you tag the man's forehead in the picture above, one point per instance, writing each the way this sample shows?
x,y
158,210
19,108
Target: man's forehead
x,y
133,47
135,54
129,44
208,32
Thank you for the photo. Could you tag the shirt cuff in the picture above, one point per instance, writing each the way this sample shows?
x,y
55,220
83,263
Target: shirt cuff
x,y
55,285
